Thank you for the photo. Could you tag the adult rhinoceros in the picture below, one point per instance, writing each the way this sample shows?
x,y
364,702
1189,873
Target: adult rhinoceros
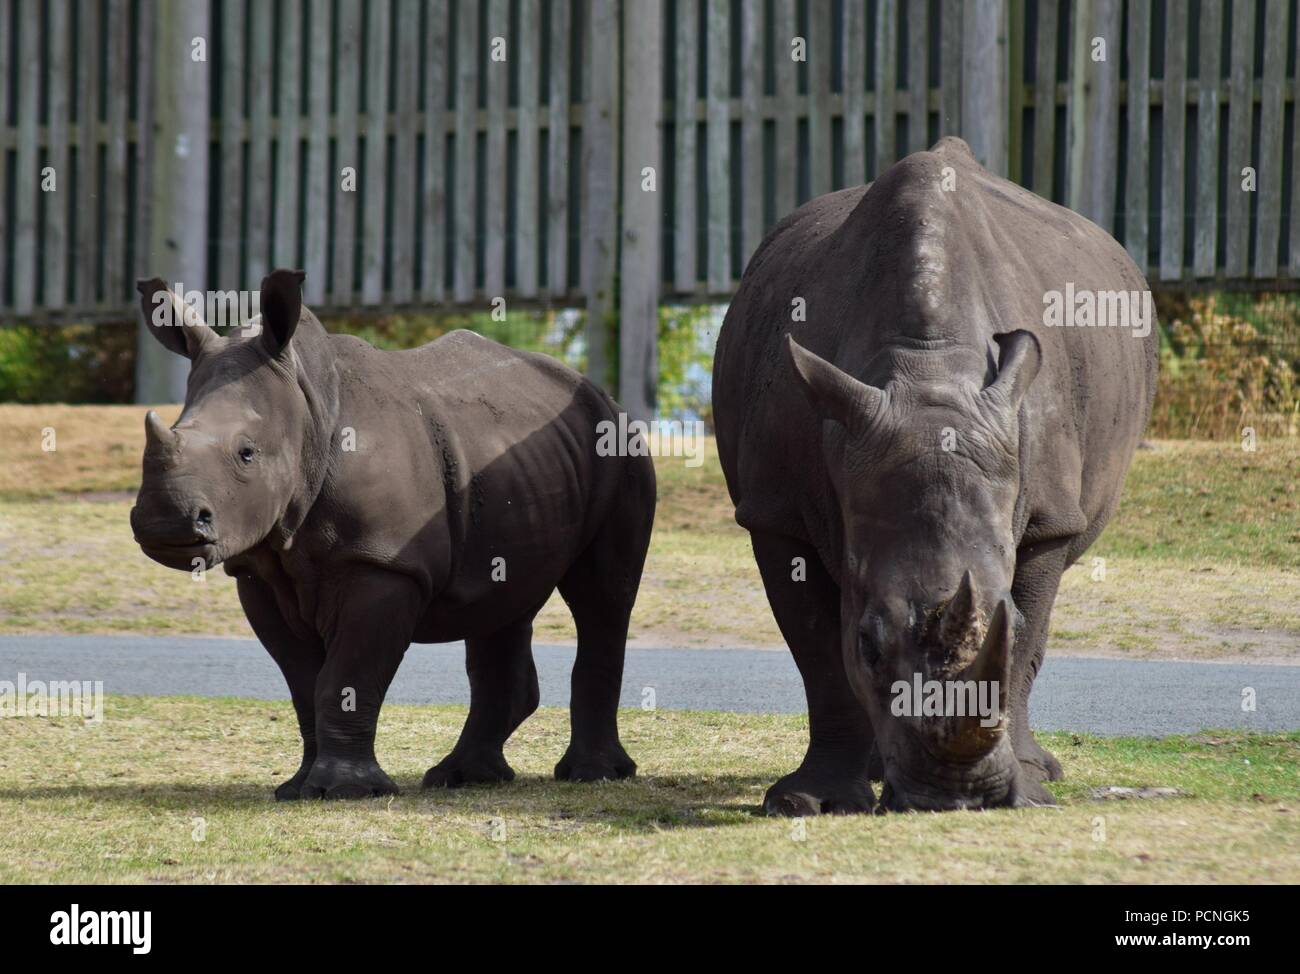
x,y
918,457
366,499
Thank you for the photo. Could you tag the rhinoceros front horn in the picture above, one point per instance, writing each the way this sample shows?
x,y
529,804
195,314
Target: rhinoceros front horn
x,y
156,433
993,662
960,617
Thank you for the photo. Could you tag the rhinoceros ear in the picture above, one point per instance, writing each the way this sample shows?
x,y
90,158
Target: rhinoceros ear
x,y
281,306
834,393
1018,364
176,325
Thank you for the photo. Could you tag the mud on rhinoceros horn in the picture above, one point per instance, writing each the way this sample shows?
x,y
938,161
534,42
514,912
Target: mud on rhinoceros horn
x,y
960,620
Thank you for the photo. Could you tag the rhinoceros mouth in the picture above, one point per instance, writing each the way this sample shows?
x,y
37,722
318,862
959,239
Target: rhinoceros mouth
x,y
181,556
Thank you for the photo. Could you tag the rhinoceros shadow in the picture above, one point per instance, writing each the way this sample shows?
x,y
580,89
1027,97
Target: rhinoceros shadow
x,y
633,806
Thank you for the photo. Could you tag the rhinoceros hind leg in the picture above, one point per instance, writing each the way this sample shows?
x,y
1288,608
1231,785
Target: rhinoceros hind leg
x,y
834,777
503,692
600,588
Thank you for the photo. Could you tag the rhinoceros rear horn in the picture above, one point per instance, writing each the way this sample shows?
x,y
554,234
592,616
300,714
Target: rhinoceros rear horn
x,y
1018,364
281,307
176,325
960,616
833,393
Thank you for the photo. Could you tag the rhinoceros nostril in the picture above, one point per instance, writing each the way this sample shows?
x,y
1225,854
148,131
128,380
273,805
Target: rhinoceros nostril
x,y
203,520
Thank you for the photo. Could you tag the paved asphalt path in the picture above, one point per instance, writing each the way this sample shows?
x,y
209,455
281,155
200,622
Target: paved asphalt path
x,y
1101,696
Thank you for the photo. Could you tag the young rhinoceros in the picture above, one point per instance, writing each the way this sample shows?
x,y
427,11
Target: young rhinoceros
x,y
918,458
366,499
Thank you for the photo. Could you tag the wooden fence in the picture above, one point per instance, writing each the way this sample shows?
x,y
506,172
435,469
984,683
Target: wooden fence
x,y
612,154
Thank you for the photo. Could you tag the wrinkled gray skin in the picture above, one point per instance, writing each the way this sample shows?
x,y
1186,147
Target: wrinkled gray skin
x,y
468,457
924,315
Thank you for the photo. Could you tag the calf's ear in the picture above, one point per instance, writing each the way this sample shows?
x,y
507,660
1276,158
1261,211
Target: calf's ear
x,y
281,304
1018,364
833,393
176,325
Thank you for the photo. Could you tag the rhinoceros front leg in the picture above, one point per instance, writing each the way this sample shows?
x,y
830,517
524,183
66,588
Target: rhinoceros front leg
x,y
834,776
1038,576
300,660
371,627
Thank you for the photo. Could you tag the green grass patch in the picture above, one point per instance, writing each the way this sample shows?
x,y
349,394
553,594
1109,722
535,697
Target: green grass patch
x,y
179,790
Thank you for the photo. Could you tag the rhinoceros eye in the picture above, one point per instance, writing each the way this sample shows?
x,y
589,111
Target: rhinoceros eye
x,y
246,454
869,645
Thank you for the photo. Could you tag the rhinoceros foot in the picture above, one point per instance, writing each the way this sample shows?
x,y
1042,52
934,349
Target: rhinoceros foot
x,y
477,766
606,764
1036,762
802,794
291,790
345,778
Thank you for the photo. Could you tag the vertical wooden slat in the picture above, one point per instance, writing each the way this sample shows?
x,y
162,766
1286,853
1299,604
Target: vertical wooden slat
x,y
148,146
1101,147
820,55
258,246
918,113
434,201
886,83
88,231
1268,222
639,270
494,224
466,137
6,13
319,177
527,172
407,123
346,216
231,202
285,252
787,122
984,81
599,211
1295,170
719,144
751,132
1207,141
375,173
684,257
855,84
1241,90
557,153
950,67
1139,129
1016,100
1045,97
56,206
27,174
119,95
1175,124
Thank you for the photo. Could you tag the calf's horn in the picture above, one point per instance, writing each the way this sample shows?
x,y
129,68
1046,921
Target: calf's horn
x,y
155,430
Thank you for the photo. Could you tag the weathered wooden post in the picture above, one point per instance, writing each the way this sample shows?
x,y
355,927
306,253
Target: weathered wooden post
x,y
179,191
600,167
642,157
984,82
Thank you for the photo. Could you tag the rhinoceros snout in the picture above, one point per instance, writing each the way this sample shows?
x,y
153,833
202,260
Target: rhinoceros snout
x,y
165,526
